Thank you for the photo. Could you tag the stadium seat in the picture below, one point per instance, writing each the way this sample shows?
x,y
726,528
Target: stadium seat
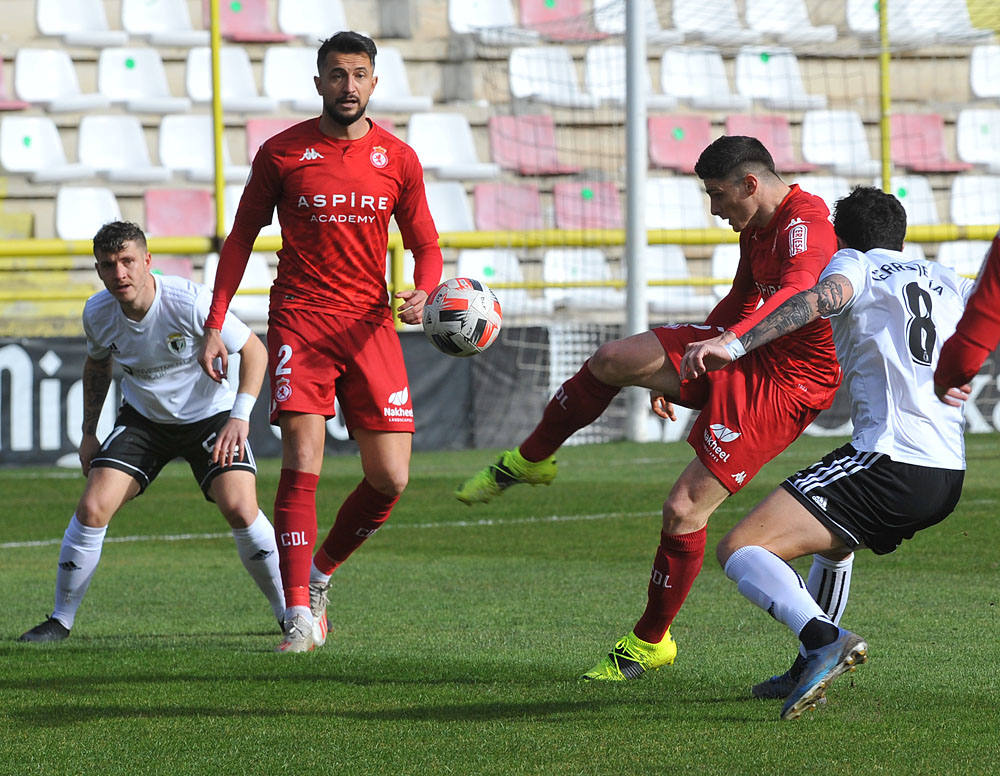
x,y
115,146
287,76
547,74
163,22
527,145
239,88
667,262
713,21
77,22
947,22
567,265
788,22
179,212
829,188
82,210
231,201
502,266
697,75
392,93
837,139
975,199
984,71
507,206
31,145
187,146
917,196
587,205
564,22
774,131
449,206
977,133
251,308
676,203
863,21
312,20
47,77
445,146
6,101
676,142
260,129
492,22
918,143
609,19
723,264
248,21
604,77
136,78
965,257
182,266
771,76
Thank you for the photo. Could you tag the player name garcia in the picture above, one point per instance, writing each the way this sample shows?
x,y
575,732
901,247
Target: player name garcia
x,y
351,200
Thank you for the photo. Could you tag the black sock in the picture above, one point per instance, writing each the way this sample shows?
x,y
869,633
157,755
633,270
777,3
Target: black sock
x,y
818,633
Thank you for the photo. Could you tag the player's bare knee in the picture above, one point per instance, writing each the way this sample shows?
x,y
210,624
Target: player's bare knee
x,y
682,516
389,483
725,548
607,363
94,511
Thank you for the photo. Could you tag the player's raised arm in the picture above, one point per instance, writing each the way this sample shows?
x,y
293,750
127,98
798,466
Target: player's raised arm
x,y
824,299
96,381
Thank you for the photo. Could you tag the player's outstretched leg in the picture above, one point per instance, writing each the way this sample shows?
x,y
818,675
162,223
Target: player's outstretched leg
x,y
631,657
50,630
823,665
511,468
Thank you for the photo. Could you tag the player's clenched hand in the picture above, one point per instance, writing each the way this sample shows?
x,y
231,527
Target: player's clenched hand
x,y
230,444
412,309
213,348
954,397
705,356
661,406
90,445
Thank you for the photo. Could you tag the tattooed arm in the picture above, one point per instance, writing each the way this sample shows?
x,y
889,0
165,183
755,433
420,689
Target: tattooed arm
x,y
96,381
824,299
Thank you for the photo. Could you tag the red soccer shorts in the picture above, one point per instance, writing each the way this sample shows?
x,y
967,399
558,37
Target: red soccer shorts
x,y
316,357
746,417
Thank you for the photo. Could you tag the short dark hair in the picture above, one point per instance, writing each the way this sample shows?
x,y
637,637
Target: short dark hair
x,y
733,155
869,218
111,238
346,42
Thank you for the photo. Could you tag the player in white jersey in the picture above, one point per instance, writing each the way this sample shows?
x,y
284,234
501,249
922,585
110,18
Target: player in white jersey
x,y
904,467
153,327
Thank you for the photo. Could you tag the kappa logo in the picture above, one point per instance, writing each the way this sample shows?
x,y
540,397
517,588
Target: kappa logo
x,y
723,434
398,398
794,222
311,154
739,477
820,501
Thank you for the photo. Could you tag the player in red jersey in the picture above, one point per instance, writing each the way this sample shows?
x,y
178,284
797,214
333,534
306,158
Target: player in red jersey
x,y
978,331
749,412
336,180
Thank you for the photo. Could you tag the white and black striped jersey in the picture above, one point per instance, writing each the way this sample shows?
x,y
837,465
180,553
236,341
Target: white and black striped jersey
x,y
888,338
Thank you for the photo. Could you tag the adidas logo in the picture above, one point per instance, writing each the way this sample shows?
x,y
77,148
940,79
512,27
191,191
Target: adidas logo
x,y
69,566
262,554
398,398
821,501
310,155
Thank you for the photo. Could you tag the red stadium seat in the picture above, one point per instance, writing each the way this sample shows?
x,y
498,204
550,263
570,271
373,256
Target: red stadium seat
x,y
588,205
6,101
775,133
918,143
507,206
675,142
260,129
527,145
563,21
248,21
179,212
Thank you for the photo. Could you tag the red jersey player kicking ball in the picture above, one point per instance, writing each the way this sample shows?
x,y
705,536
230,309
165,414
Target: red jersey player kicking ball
x,y
335,180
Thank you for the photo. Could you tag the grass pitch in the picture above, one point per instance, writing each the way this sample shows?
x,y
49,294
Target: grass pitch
x,y
458,634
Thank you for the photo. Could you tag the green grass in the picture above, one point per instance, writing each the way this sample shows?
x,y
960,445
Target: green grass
x,y
459,634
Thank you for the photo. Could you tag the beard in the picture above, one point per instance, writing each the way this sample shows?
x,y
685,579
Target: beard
x,y
344,119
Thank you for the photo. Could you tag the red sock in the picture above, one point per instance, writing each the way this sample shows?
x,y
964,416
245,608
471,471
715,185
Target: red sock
x,y
577,403
677,562
295,530
361,515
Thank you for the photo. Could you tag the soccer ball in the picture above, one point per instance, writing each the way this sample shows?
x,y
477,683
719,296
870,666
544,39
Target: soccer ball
x,y
462,317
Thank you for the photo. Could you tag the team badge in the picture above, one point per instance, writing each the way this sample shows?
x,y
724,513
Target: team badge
x,y
379,158
282,390
177,343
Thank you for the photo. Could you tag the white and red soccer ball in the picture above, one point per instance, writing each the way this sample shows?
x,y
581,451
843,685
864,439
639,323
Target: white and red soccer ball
x,y
462,317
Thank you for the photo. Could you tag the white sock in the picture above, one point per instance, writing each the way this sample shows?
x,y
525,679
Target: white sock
x,y
302,611
829,583
78,558
315,575
774,586
259,553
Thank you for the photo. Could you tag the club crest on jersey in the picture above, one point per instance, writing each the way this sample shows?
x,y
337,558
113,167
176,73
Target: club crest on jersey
x,y
379,157
282,390
177,343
